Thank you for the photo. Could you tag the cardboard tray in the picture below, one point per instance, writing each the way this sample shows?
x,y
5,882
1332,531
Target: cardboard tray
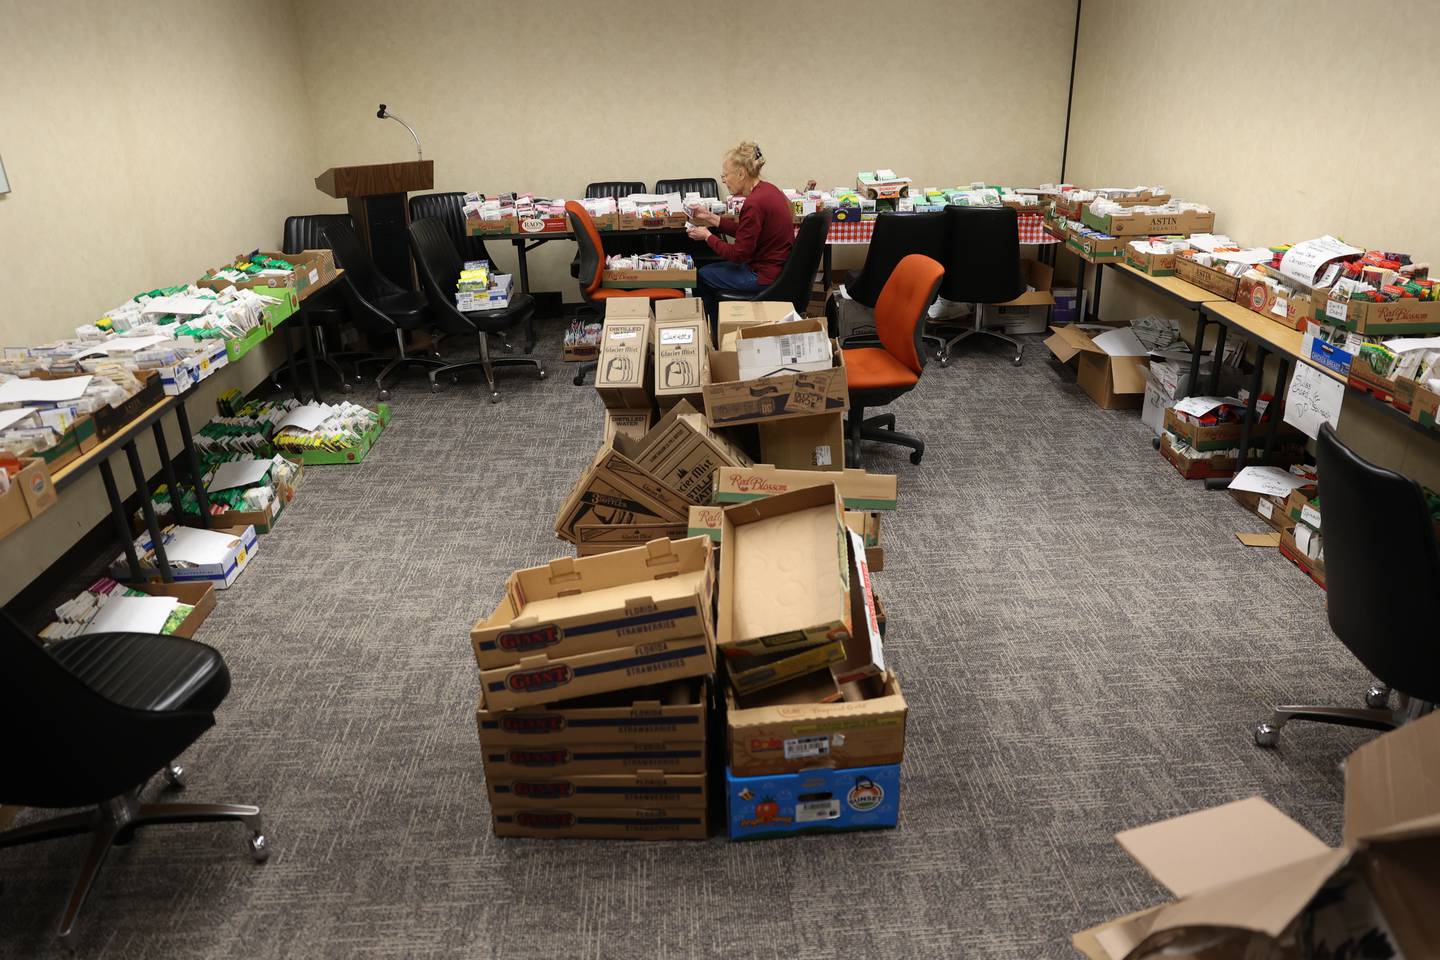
x,y
672,712
354,454
655,789
1206,278
815,801
111,420
558,760
603,823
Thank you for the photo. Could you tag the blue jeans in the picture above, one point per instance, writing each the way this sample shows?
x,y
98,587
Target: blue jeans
x,y
724,276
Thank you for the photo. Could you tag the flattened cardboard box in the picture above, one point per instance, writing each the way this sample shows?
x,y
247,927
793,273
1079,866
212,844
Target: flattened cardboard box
x,y
658,591
860,490
600,790
751,673
543,679
791,737
683,453
614,490
592,539
600,823
1245,867
784,573
730,401
634,424
553,760
663,713
621,374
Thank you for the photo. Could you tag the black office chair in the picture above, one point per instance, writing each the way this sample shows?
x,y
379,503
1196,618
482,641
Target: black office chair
x,y
379,306
439,266
326,310
797,277
450,209
93,719
1382,574
982,265
896,236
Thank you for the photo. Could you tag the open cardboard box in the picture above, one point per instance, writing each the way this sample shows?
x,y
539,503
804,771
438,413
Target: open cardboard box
x,y
859,490
671,712
683,453
1113,382
31,493
658,591
201,596
592,539
544,678
804,443
730,401
1246,868
735,315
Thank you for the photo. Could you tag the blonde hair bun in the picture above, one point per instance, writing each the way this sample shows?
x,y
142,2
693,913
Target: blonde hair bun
x,y
748,158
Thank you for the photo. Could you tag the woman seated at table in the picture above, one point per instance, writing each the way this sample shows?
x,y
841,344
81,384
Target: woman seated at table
x,y
762,234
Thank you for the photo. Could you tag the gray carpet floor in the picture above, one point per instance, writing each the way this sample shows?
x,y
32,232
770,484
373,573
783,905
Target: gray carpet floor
x,y
1082,641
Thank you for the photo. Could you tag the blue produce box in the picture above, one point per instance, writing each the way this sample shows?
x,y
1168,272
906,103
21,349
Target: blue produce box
x,y
816,801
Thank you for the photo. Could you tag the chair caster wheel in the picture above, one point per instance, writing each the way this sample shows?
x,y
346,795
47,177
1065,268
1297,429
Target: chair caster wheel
x,y
434,387
259,848
1016,361
915,457
542,373
382,395
346,388
1267,735
495,397
1155,442
174,775
943,360
1377,697
454,378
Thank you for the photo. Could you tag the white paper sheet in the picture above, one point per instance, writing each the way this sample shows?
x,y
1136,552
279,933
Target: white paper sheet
x,y
1303,262
191,545
120,614
183,306
1252,256
132,344
305,418
29,390
1402,344
8,417
1271,481
1120,342
1314,399
238,473
1199,406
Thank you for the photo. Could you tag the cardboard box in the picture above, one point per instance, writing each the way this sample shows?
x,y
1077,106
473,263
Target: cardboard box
x,y
730,400
1112,382
734,316
648,279
671,712
682,453
111,420
503,226
1206,278
221,573
1246,868
1193,466
788,738
603,823
309,270
705,522
815,801
581,759
1134,224
1313,568
804,443
1155,264
784,573
592,539
1269,509
31,493
201,596
1224,436
621,373
750,673
79,439
1097,248
1261,298
1425,406
559,224
864,648
634,424
859,490
798,346
1395,319
1029,312
614,490
262,520
863,522
682,357
544,678
600,790
658,591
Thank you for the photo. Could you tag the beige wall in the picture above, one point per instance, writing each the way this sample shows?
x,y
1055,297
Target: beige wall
x,y
1263,119
119,187
595,99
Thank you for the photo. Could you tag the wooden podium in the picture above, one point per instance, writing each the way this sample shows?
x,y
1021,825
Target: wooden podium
x,y
376,196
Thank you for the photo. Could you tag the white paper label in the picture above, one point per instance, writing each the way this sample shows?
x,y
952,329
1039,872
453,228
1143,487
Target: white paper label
x,y
624,334
1310,515
813,810
314,276
1335,310
799,747
678,336
1281,307
822,455
1265,508
1314,399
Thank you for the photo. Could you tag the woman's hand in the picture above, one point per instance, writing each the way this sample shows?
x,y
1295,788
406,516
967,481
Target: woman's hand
x,y
705,217
697,233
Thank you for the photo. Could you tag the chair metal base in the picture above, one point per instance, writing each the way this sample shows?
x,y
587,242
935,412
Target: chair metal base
x,y
944,355
1267,733
400,360
487,364
880,428
114,822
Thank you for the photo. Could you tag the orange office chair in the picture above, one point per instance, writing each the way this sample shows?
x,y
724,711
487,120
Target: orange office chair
x,y
589,267
878,375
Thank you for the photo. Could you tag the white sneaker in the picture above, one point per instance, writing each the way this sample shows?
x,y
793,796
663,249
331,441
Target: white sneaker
x,y
943,309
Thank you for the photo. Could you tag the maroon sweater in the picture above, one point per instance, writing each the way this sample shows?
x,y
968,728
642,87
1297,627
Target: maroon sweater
x,y
763,234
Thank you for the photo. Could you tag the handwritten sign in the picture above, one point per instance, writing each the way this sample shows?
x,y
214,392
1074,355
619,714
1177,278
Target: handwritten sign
x,y
1314,399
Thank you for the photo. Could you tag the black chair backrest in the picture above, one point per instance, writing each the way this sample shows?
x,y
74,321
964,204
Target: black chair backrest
x,y
896,236
307,231
797,277
982,255
613,188
363,284
450,208
1382,567
438,264
70,746
705,186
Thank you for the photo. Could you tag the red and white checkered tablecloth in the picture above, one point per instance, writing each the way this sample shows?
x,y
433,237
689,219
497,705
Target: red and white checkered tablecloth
x,y
1032,229
850,231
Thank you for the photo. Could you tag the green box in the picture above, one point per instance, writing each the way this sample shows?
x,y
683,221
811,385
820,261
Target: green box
x,y
354,455
278,313
235,349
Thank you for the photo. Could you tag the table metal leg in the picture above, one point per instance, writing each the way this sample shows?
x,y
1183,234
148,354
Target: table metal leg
x,y
142,487
197,478
310,348
1099,276
290,367
524,262
122,525
1218,358
1080,290
1252,400
1273,409
825,255
167,470
1190,384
